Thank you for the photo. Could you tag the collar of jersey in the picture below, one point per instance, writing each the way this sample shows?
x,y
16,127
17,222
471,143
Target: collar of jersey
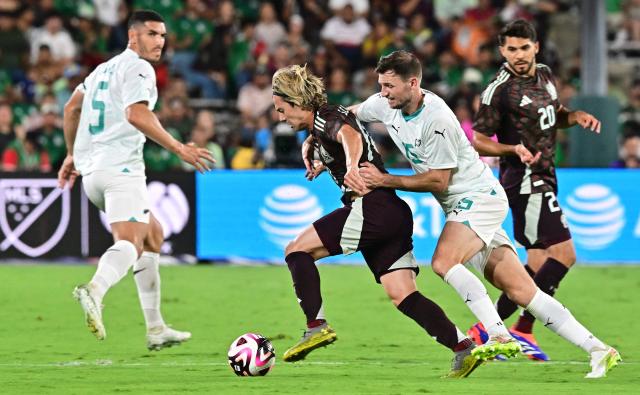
x,y
409,117
131,52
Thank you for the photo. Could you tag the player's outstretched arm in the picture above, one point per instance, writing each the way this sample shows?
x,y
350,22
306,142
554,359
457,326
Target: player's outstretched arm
x,y
487,147
434,180
568,118
72,109
139,115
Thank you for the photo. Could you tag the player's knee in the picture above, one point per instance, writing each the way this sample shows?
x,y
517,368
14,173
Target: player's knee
x,y
440,266
568,257
294,246
136,241
521,292
291,247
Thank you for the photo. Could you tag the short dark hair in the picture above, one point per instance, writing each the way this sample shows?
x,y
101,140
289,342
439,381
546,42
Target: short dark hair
x,y
518,28
142,16
404,64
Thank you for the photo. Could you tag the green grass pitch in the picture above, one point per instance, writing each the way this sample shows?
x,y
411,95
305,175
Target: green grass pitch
x,y
45,347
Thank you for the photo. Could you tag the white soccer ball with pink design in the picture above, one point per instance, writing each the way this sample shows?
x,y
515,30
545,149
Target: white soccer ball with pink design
x,y
251,355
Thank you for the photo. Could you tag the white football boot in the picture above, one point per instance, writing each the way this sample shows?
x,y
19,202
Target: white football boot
x,y
92,311
603,361
162,336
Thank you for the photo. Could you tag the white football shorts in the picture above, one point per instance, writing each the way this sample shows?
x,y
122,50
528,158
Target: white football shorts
x,y
483,213
123,197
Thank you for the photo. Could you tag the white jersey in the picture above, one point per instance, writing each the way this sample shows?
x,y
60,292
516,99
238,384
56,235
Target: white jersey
x,y
432,138
105,140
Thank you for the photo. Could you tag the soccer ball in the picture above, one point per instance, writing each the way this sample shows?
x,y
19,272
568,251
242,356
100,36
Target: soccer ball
x,y
251,355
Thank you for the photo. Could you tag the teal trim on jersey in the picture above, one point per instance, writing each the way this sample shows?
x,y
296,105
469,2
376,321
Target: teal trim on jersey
x,y
415,114
125,170
133,219
493,192
466,223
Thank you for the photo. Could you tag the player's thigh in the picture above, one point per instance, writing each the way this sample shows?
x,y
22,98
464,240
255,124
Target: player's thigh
x,y
457,244
505,272
480,262
308,241
399,284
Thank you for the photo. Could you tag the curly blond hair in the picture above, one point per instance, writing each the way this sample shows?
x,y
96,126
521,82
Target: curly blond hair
x,y
297,85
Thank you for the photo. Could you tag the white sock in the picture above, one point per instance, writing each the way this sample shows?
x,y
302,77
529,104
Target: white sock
x,y
559,319
113,265
461,336
147,275
320,315
474,294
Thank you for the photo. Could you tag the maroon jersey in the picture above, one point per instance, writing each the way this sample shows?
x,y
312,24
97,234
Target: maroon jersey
x,y
326,124
522,110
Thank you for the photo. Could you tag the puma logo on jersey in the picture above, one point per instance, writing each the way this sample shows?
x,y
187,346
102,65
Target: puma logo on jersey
x,y
440,133
395,128
142,75
525,101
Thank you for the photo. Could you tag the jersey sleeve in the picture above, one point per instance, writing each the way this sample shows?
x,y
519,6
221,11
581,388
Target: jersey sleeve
x,y
81,87
369,110
487,119
84,85
139,83
335,117
442,143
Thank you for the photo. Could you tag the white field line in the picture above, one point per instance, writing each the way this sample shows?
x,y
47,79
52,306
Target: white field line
x,y
106,362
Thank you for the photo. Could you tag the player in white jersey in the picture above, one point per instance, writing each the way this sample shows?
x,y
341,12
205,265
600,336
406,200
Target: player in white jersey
x,y
426,131
105,123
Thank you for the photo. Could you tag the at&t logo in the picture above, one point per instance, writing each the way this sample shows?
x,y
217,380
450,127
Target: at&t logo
x,y
596,216
286,211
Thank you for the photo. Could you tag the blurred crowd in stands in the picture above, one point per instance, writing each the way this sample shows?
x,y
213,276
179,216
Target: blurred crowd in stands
x,y
214,78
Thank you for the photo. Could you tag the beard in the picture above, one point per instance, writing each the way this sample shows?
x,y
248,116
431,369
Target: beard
x,y
526,71
399,105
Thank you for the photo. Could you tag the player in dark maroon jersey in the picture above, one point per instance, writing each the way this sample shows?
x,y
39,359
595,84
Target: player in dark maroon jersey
x,y
521,107
374,221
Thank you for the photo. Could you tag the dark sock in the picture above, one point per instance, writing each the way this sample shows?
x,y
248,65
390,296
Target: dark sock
x,y
463,345
306,281
431,317
315,323
504,305
547,279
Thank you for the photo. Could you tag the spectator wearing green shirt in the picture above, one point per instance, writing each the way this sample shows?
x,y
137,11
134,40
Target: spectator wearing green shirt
x,y
7,130
189,31
26,155
50,136
339,91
